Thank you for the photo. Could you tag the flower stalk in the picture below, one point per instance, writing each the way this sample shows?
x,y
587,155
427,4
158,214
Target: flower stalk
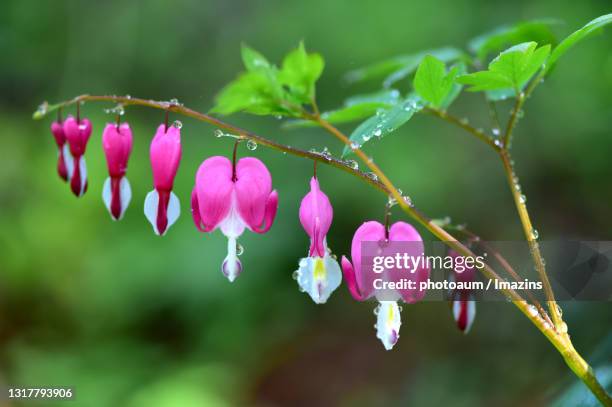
x,y
555,335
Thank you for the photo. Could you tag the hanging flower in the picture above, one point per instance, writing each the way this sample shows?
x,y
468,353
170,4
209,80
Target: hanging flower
x,y
57,128
318,274
360,282
117,145
77,133
162,207
233,197
462,300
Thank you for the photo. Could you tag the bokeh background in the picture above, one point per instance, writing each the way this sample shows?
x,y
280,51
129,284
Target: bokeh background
x,y
131,319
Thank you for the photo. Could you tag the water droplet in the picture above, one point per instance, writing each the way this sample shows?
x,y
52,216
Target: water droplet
x,y
391,202
352,163
218,133
533,311
376,310
239,249
377,133
354,146
366,137
128,97
295,275
326,154
177,124
496,132
408,201
534,234
313,151
251,145
464,121
174,102
498,143
522,199
372,176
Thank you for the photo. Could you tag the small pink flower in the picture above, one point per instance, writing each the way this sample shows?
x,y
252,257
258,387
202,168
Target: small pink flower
x,y
60,139
77,135
117,145
388,320
162,207
318,274
232,198
462,300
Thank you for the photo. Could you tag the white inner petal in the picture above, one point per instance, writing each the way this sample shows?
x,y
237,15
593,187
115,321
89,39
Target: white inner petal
x,y
174,210
319,277
232,225
83,169
68,160
388,322
150,209
231,267
125,192
106,193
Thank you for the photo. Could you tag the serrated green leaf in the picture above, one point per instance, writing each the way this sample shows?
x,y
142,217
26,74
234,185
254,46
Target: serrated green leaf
x,y
432,82
399,67
576,37
384,122
513,68
300,71
252,59
496,40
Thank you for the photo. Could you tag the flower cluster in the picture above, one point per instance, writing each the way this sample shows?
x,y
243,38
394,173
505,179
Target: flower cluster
x,y
237,195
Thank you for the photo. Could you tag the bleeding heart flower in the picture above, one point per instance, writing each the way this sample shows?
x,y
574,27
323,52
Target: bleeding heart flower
x,y
388,317
117,144
462,301
77,135
162,207
318,274
57,129
232,198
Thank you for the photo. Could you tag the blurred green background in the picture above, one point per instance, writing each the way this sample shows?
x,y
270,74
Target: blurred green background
x,y
131,319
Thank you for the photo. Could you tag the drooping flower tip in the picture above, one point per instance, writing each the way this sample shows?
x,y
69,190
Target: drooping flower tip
x,y
77,134
162,206
318,274
117,145
233,198
360,280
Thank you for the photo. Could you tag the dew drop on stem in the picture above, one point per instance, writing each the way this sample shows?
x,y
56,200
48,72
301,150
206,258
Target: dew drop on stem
x,y
251,145
177,124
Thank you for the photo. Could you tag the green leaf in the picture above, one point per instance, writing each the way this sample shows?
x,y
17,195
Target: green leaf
x,y
511,69
496,40
300,72
384,122
432,82
399,67
355,108
460,69
253,92
252,59
386,97
577,36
